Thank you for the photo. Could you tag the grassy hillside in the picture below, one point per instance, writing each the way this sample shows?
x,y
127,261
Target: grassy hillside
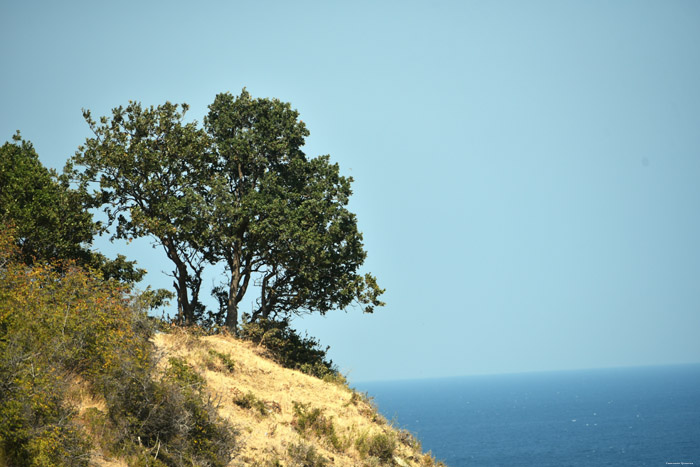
x,y
283,417
85,379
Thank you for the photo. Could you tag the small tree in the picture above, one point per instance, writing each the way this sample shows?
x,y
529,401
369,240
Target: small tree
x,y
151,169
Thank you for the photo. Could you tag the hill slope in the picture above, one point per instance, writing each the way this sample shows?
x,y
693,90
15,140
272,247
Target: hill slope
x,y
285,417
86,380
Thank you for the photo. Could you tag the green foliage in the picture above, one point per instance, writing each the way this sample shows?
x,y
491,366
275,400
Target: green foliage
x,y
241,192
150,167
57,324
310,420
305,455
183,373
251,402
120,269
51,219
173,415
36,426
99,429
379,445
52,325
279,216
289,349
225,359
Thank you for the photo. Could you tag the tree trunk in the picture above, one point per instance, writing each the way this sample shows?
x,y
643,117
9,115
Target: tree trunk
x,y
267,295
184,306
232,305
234,264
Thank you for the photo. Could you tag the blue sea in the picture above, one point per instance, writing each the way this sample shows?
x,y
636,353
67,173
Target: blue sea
x,y
631,416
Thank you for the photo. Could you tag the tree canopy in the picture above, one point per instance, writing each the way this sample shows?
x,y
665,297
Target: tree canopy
x,y
240,192
151,169
279,216
51,219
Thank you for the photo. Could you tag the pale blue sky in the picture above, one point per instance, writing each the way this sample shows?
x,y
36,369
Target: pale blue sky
x,y
527,173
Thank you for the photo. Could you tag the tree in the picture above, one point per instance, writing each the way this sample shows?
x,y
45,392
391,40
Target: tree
x,y
152,169
279,216
241,193
253,139
313,248
51,219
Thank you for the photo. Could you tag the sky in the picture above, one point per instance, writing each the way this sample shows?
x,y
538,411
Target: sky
x,y
527,174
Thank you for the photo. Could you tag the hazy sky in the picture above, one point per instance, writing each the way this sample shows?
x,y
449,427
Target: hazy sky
x,y
527,173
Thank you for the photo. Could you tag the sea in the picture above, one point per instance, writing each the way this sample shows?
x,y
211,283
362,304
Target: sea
x,y
645,416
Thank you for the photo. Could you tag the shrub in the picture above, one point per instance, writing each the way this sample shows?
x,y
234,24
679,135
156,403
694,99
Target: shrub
x,y
58,322
173,415
99,429
365,406
53,324
251,402
407,438
224,359
305,455
290,349
360,398
183,373
36,426
310,420
379,445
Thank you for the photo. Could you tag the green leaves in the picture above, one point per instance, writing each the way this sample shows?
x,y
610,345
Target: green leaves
x,y
51,218
148,163
152,169
240,191
280,216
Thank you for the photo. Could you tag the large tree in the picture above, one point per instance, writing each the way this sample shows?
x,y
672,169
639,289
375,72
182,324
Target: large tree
x,y
51,219
240,192
151,168
279,218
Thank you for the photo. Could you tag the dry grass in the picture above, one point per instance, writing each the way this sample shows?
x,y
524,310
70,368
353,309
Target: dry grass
x,y
259,397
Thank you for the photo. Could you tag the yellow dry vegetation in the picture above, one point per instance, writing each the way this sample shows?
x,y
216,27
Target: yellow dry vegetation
x,y
269,428
266,439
